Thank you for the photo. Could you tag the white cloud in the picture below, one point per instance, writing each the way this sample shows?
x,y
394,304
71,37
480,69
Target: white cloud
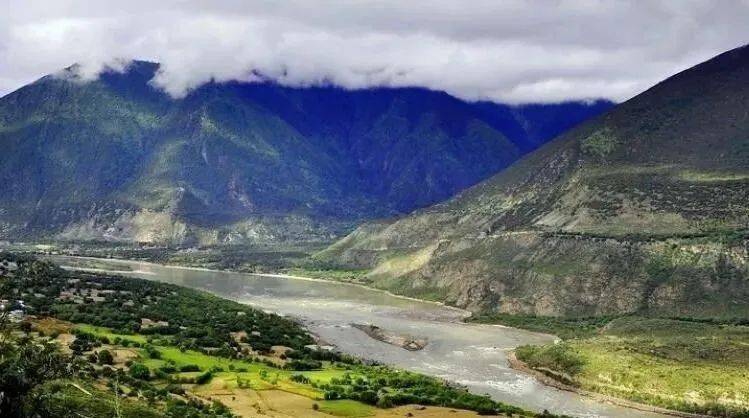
x,y
509,51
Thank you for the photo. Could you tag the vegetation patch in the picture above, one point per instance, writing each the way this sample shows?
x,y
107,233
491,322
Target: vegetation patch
x,y
686,365
346,408
600,143
144,349
565,328
340,275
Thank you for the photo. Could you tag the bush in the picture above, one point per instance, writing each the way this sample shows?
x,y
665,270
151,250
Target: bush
x,y
558,357
168,369
105,357
152,352
300,378
385,402
204,378
139,371
189,368
331,395
304,365
175,389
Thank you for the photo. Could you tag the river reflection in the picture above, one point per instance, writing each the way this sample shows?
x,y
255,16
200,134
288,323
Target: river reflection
x,y
469,354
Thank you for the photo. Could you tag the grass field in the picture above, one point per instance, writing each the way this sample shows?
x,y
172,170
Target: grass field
x,y
105,332
256,375
347,408
677,364
565,328
256,389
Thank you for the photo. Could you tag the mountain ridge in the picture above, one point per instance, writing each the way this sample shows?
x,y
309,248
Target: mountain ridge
x,y
642,209
117,159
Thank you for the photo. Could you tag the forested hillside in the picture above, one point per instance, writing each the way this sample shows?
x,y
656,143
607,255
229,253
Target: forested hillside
x,y
118,159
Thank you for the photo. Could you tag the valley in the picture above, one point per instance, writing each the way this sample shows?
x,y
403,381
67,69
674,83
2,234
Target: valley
x,y
470,355
642,359
115,346
374,209
642,210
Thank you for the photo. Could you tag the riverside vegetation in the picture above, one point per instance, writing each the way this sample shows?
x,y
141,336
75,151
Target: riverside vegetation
x,y
99,345
696,366
686,364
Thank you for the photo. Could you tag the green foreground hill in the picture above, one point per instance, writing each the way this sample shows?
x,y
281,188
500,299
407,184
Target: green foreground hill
x,y
78,344
644,209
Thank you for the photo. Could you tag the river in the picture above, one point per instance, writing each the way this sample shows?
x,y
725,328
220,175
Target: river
x,y
473,355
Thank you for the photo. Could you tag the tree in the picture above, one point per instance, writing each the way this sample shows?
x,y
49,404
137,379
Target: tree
x,y
24,365
105,357
140,371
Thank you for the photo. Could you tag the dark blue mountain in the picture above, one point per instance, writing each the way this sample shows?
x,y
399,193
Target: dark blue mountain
x,y
117,158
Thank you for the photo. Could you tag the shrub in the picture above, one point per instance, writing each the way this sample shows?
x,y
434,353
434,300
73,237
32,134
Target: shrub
x,y
600,143
385,402
152,352
139,371
303,365
189,368
300,378
204,378
167,368
557,357
176,389
105,357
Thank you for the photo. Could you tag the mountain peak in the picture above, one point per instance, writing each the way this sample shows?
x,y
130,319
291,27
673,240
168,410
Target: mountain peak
x,y
117,158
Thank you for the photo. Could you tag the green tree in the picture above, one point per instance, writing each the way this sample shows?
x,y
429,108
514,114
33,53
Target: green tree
x,y
24,365
105,357
140,371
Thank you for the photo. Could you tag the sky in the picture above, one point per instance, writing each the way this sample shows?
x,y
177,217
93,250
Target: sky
x,y
502,50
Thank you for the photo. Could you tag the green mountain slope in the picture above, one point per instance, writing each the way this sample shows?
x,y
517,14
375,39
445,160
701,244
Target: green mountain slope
x,y
643,209
118,159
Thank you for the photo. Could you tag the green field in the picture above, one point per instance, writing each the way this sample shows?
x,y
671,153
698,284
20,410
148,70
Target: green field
x,y
106,332
346,408
256,375
565,328
689,366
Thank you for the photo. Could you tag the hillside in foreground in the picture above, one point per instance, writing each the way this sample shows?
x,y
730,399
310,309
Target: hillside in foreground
x,y
643,209
86,344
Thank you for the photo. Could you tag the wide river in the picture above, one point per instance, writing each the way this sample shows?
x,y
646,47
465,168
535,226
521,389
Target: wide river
x,y
470,354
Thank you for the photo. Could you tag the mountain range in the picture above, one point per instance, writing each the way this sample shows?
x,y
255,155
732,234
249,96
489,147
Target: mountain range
x,y
643,209
117,159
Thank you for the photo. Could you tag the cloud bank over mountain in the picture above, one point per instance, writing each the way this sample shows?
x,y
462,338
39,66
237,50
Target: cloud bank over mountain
x,y
509,51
